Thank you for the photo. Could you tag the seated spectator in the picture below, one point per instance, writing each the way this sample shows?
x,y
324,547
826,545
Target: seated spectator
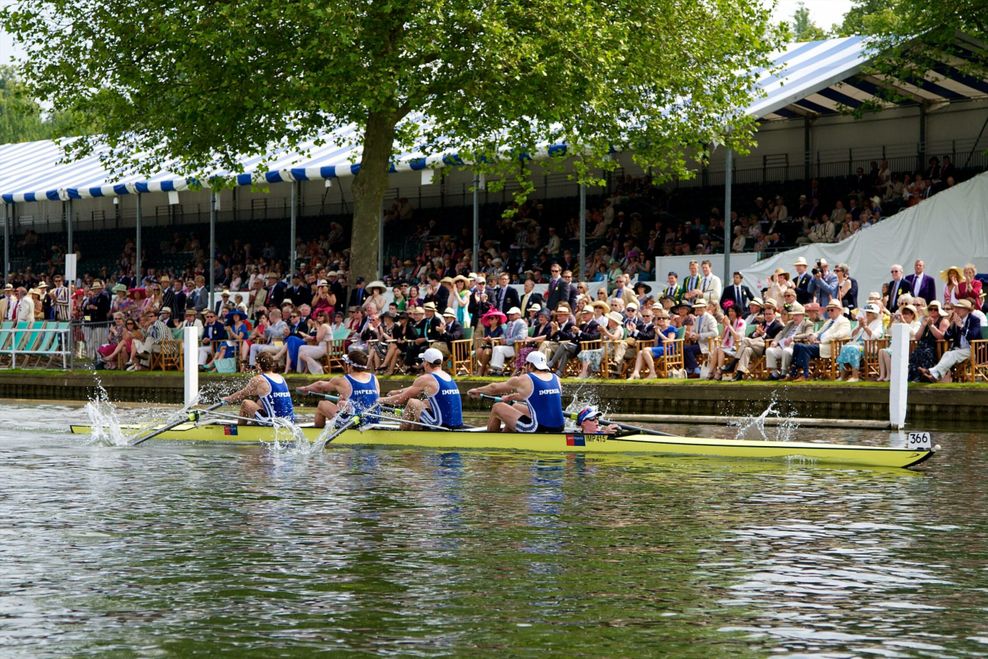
x,y
869,327
733,333
492,325
908,317
963,329
820,344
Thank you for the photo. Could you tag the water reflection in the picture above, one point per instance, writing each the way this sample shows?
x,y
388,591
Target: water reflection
x,y
178,549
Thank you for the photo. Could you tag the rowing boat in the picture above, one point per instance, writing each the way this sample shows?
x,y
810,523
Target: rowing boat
x,y
625,442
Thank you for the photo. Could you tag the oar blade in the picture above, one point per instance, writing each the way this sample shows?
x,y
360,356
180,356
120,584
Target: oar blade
x,y
168,427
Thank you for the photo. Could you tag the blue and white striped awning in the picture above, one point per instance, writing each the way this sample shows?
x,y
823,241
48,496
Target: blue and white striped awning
x,y
806,79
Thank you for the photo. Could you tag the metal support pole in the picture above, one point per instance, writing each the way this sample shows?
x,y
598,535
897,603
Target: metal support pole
x,y
921,155
137,248
475,263
67,213
807,153
583,232
728,179
8,211
380,241
293,215
212,242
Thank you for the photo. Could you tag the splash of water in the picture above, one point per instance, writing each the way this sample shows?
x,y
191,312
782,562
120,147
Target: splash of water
x,y
290,440
785,429
104,420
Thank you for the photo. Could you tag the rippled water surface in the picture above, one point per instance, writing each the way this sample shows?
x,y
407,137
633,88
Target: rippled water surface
x,y
178,549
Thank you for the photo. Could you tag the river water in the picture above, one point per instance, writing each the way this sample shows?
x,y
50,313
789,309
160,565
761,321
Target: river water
x,y
184,549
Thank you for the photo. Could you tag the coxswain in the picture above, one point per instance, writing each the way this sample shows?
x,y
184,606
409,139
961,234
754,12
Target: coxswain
x,y
274,398
441,407
530,402
588,420
357,388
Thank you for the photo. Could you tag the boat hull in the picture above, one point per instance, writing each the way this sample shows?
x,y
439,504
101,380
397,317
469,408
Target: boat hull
x,y
870,456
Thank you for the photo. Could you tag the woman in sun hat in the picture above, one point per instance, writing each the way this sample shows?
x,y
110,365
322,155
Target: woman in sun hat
x,y
954,277
459,299
492,324
122,302
931,331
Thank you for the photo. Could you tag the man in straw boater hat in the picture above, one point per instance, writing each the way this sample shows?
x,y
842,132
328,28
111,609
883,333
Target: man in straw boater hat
x,y
820,344
441,406
963,330
751,347
266,396
531,402
357,388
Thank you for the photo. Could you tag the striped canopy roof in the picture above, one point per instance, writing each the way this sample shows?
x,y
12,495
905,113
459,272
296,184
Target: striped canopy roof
x,y
807,79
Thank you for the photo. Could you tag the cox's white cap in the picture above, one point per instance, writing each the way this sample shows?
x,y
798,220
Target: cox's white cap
x,y
432,356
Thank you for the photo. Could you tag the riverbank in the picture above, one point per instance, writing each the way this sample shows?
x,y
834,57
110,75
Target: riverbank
x,y
937,405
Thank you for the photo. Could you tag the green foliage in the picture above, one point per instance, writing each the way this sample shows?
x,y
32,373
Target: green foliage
x,y
197,85
803,27
21,117
904,19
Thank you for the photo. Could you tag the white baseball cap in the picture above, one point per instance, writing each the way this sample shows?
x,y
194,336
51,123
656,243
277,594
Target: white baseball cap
x,y
537,359
432,356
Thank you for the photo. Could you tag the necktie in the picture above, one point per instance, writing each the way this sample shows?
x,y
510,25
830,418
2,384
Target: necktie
x,y
823,331
916,282
894,295
737,295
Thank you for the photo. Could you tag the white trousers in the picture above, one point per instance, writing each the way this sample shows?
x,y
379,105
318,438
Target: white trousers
x,y
204,353
777,354
261,347
500,354
950,359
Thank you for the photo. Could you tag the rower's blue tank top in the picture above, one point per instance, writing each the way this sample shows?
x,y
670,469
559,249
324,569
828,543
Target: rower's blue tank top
x,y
278,403
545,405
446,407
363,395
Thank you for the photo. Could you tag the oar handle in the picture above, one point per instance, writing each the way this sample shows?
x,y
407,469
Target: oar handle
x,y
496,399
317,394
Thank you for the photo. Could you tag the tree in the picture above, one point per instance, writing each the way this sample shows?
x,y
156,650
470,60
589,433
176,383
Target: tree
x,y
204,83
803,27
20,115
905,19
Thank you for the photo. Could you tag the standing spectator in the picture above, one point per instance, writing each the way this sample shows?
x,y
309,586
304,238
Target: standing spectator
x,y
896,288
970,286
954,278
558,290
823,286
529,297
712,285
737,294
847,287
921,284
505,297
801,282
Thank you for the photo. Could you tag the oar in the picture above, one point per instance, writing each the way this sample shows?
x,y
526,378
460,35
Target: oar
x,y
414,423
622,426
191,416
339,431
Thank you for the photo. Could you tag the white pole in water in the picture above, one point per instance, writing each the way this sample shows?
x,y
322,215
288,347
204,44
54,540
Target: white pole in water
x,y
898,384
190,338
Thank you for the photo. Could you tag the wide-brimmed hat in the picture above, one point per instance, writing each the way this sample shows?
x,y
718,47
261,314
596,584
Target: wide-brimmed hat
x,y
494,314
641,284
465,280
796,307
616,317
449,312
444,280
935,304
835,304
118,288
780,271
757,301
910,308
800,261
376,284
700,304
587,309
769,302
872,308
963,303
945,274
429,306
604,306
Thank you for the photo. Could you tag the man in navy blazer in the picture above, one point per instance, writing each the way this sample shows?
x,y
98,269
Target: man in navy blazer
x,y
964,328
737,294
921,284
896,288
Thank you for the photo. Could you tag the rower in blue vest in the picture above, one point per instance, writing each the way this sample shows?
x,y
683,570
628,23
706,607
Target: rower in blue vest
x,y
530,402
357,388
274,398
442,406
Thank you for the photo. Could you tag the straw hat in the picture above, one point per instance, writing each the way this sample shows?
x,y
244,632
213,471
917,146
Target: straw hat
x,y
429,306
563,309
796,307
603,306
800,261
587,309
616,317
449,312
756,301
376,284
835,304
910,308
963,303
780,271
119,288
444,280
945,274
514,311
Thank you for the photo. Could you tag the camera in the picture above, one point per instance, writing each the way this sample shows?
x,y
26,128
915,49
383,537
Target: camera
x,y
815,271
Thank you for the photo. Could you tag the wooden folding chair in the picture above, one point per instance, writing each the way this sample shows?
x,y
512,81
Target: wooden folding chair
x,y
671,359
870,357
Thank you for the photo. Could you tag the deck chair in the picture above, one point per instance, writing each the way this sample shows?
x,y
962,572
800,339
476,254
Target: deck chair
x,y
979,357
870,357
169,357
671,360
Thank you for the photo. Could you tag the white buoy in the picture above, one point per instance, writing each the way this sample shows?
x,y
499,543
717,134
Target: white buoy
x,y
190,338
898,376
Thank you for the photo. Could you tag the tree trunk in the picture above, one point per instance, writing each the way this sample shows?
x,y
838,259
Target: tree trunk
x,y
368,196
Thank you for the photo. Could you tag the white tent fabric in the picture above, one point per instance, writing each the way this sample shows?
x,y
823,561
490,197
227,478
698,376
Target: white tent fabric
x,y
950,228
